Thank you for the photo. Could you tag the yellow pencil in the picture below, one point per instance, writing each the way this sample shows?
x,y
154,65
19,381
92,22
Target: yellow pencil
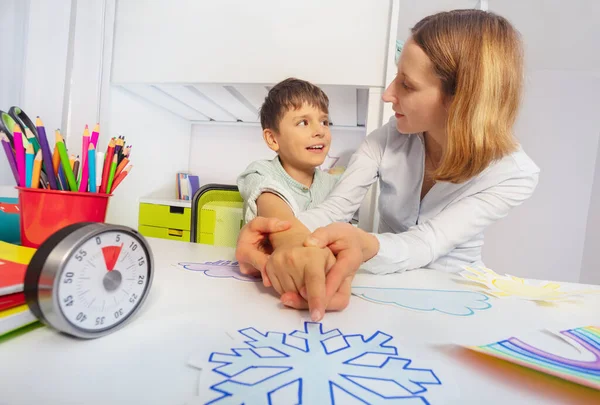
x,y
37,169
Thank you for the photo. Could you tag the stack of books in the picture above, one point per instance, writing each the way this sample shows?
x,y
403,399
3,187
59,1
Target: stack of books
x,y
187,185
14,312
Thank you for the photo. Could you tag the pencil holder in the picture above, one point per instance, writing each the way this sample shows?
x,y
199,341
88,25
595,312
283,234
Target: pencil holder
x,y
44,212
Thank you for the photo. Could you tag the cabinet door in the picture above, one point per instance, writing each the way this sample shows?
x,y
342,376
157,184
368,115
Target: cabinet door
x,y
262,41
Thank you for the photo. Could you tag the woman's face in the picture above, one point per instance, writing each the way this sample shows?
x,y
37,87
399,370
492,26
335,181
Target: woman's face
x,y
416,94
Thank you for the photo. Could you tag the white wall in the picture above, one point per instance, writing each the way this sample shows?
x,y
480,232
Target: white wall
x,y
559,127
46,62
13,31
590,268
219,153
161,147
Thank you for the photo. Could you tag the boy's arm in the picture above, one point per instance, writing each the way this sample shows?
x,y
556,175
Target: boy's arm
x,y
292,264
272,206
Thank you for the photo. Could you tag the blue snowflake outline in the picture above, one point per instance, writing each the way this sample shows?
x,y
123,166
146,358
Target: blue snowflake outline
x,y
381,338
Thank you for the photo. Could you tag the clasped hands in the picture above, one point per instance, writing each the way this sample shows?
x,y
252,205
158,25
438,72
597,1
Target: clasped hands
x,y
313,272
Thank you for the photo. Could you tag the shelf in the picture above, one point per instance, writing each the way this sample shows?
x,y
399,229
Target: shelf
x,y
202,103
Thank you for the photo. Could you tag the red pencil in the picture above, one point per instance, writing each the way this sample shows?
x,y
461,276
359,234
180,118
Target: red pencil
x,y
120,178
108,158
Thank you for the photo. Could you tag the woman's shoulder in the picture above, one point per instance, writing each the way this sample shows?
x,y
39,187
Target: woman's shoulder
x,y
514,165
519,161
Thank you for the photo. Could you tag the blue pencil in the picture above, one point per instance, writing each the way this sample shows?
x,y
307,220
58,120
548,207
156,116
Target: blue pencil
x,y
91,165
62,179
28,164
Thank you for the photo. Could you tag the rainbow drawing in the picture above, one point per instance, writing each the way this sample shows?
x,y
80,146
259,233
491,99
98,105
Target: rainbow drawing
x,y
582,372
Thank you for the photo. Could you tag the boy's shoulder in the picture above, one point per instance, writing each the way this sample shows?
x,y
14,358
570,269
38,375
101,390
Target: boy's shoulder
x,y
263,166
326,179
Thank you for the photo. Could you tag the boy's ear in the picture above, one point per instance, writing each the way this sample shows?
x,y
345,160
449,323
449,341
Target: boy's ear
x,y
270,139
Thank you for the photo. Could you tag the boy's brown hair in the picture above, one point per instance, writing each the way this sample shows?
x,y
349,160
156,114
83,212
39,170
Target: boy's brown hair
x,y
288,94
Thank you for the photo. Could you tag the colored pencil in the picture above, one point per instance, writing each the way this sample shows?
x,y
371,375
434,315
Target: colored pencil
x,y
64,158
31,138
83,179
111,175
28,164
44,180
76,170
10,156
19,154
108,157
71,161
120,178
99,167
119,146
37,169
90,171
95,135
46,155
121,166
62,179
55,160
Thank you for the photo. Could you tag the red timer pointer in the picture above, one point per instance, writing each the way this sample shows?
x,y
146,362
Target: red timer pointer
x,y
111,254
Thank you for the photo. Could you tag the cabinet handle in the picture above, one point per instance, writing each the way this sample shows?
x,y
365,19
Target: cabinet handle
x,y
175,210
176,232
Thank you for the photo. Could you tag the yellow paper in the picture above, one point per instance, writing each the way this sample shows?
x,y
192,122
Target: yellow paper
x,y
497,285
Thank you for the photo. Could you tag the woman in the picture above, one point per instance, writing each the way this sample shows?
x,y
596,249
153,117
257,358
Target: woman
x,y
447,162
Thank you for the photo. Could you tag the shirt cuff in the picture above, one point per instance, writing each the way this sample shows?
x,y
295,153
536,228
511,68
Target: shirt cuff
x,y
390,256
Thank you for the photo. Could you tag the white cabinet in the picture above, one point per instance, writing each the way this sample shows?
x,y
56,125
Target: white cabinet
x,y
333,42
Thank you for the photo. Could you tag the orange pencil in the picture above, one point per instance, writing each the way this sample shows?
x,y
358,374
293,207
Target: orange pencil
x,y
37,169
108,158
55,160
120,178
121,166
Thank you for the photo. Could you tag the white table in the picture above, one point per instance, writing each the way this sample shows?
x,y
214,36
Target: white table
x,y
188,314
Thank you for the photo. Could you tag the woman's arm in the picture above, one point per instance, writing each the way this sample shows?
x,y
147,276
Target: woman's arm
x,y
458,223
345,199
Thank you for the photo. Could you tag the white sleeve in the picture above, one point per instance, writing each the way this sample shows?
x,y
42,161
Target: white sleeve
x,y
253,182
458,223
345,199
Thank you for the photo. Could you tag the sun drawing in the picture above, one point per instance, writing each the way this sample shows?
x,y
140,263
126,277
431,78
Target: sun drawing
x,y
511,286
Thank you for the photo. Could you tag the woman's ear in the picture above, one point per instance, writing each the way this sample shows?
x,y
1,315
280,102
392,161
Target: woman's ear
x,y
270,139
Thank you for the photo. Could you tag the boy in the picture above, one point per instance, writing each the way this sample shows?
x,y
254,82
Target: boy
x,y
295,123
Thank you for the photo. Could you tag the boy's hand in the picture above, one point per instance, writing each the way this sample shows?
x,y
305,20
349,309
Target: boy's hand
x,y
339,301
292,268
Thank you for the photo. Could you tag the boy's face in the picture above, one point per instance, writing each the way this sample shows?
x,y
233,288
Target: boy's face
x,y
303,138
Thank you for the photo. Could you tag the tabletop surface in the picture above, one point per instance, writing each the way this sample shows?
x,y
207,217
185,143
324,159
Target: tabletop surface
x,y
189,315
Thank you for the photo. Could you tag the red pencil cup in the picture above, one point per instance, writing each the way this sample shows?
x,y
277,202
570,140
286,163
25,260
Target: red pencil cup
x,y
44,212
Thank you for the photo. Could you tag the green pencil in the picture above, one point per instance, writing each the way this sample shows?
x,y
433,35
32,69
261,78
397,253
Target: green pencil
x,y
111,174
64,160
33,140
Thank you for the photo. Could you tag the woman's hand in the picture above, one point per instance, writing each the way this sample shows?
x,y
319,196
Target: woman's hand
x,y
352,246
253,248
292,269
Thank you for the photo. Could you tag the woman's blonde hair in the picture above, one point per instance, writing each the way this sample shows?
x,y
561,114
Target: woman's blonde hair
x,y
479,59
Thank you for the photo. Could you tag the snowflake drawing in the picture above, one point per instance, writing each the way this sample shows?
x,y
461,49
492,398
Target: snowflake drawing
x,y
219,269
316,367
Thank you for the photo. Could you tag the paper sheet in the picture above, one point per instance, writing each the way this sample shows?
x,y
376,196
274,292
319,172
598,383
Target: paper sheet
x,y
219,269
314,366
458,303
584,372
499,286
